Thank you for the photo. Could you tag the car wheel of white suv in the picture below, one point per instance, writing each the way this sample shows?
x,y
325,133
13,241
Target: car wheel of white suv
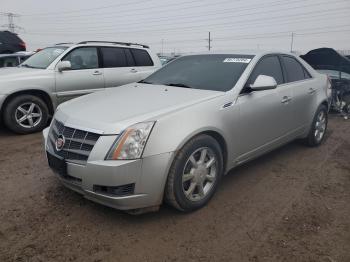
x,y
195,174
26,114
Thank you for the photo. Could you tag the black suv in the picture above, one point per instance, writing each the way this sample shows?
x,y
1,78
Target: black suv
x,y
10,43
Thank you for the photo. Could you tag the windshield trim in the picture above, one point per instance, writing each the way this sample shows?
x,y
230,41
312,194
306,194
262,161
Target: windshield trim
x,y
25,63
160,76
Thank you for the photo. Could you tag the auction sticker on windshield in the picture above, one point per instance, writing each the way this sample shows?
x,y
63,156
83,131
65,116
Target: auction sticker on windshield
x,y
237,60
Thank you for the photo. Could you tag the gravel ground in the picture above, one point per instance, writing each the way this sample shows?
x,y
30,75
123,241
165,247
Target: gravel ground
x,y
290,205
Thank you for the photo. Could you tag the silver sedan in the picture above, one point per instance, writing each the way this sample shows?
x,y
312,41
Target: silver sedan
x,y
172,136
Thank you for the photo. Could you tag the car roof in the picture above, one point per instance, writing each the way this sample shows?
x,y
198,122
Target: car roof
x,y
103,43
12,55
242,52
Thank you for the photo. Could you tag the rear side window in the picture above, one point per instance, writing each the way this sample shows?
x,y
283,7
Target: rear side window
x,y
141,57
113,57
129,58
269,66
295,71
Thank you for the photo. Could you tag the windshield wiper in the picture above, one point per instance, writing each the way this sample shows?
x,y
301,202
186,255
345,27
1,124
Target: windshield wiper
x,y
178,85
145,82
28,66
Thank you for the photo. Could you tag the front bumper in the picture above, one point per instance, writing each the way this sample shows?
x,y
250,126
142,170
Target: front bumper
x,y
147,177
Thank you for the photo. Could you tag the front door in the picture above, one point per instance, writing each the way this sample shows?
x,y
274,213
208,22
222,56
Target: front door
x,y
264,115
85,76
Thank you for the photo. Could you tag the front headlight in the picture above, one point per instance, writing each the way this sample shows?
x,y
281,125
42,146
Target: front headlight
x,y
131,143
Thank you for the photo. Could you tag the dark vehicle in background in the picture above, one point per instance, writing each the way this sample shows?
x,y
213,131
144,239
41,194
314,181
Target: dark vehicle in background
x,y
337,67
167,59
12,60
10,43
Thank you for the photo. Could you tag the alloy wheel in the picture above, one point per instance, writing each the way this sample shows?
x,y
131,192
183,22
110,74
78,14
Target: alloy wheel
x,y
28,115
199,174
320,126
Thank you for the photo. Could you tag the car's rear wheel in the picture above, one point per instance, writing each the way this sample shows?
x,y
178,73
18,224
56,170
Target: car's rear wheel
x,y
26,114
195,174
318,128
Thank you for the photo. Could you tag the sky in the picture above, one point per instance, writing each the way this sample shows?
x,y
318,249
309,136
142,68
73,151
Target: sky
x,y
183,26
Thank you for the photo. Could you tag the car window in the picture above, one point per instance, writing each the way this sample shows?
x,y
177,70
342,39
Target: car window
x,y
269,66
113,57
44,58
129,57
206,72
344,75
331,73
8,62
141,57
335,74
295,71
83,58
23,58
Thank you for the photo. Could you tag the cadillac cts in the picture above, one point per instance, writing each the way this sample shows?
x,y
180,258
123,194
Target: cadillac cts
x,y
175,134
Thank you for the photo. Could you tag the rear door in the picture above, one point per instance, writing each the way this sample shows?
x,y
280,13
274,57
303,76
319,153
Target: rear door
x,y
303,88
144,65
85,76
119,66
264,117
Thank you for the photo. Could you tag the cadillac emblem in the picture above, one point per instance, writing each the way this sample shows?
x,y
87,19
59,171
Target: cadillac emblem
x,y
60,141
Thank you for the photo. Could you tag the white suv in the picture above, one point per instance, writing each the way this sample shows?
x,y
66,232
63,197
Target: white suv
x,y
30,93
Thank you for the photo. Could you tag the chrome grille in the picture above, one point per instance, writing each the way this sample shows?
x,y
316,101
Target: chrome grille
x,y
78,143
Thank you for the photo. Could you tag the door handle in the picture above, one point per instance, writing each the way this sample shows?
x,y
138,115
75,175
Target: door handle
x,y
96,73
286,99
133,70
311,91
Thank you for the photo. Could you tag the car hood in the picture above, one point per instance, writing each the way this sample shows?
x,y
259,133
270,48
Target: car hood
x,y
8,73
112,110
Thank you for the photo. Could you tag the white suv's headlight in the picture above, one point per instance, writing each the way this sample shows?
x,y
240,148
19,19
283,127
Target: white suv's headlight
x,y
131,143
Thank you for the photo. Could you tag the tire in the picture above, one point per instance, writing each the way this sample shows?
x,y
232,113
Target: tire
x,y
346,99
177,184
22,107
318,127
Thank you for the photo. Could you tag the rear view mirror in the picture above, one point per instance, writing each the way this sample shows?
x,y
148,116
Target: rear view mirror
x,y
263,82
64,66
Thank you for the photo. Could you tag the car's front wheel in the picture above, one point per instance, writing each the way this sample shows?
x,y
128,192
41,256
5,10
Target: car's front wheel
x,y
26,114
195,174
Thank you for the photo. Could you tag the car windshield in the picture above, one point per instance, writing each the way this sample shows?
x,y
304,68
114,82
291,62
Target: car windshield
x,y
218,72
44,58
335,74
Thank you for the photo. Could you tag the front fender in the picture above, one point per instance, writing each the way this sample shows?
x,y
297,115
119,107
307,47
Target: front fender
x,y
172,132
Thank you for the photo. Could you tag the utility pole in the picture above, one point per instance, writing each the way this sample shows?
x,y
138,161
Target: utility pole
x,y
11,25
209,41
291,44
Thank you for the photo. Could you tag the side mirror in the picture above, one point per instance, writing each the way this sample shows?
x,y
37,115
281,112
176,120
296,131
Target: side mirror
x,y
64,66
264,82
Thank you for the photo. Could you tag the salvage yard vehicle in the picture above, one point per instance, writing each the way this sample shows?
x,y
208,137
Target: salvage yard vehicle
x,y
175,134
10,43
29,94
12,60
337,67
